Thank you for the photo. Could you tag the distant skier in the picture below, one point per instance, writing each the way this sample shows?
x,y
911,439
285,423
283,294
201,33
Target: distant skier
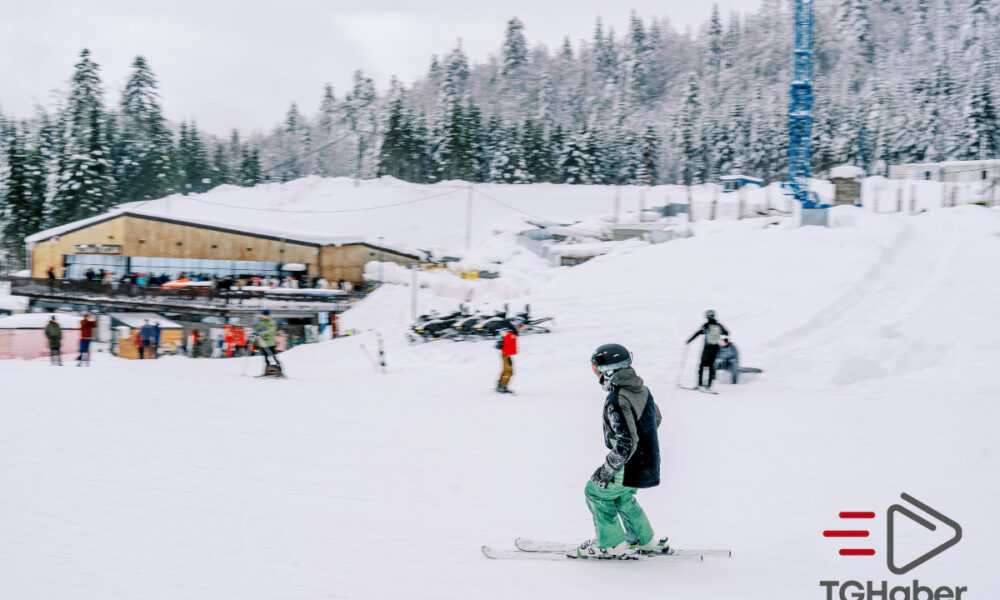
x,y
728,359
507,345
713,331
266,330
53,333
631,419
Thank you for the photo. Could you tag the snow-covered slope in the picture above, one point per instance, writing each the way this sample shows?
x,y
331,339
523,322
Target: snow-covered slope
x,y
183,479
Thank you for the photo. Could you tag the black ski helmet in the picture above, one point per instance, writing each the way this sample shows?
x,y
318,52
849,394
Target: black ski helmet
x,y
709,314
610,357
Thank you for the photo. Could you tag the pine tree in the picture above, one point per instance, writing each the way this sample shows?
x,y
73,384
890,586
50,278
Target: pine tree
x,y
145,169
250,172
515,50
982,129
22,203
648,171
692,161
221,175
508,162
86,184
716,46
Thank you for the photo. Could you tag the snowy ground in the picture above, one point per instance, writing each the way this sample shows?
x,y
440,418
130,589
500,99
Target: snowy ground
x,y
184,479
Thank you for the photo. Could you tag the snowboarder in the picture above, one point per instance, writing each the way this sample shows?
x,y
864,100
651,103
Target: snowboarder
x,y
507,345
87,326
713,331
631,419
53,333
266,330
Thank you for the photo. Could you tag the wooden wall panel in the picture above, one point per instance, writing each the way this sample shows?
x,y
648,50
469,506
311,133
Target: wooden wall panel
x,y
158,239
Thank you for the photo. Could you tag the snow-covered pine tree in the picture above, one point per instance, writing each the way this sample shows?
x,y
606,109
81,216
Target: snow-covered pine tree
x,y
145,169
250,173
692,160
980,139
508,164
23,199
515,51
86,184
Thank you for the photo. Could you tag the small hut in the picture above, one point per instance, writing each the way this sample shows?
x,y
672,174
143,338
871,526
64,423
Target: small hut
x,y
847,184
126,325
736,182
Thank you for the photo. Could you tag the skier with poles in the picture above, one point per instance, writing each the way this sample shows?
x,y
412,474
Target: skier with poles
x,y
713,332
266,330
631,419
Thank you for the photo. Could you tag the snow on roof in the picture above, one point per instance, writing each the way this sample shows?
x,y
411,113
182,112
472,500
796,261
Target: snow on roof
x,y
135,320
846,172
740,178
39,321
386,212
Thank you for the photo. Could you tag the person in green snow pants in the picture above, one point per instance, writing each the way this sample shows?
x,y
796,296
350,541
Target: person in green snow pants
x,y
631,419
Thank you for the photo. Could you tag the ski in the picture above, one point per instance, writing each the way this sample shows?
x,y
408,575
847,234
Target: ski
x,y
505,554
698,389
544,547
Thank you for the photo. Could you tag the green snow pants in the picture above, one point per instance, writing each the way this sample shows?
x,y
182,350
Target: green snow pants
x,y
614,506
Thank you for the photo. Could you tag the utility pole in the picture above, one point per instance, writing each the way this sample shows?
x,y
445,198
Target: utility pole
x,y
380,261
468,220
413,298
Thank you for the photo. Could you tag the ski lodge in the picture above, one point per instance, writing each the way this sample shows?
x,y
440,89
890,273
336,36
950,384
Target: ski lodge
x,y
122,242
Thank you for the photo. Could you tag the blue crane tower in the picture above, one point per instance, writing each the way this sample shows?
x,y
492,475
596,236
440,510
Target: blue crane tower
x,y
800,108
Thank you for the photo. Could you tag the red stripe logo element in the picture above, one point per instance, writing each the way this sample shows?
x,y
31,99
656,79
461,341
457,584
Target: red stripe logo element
x,y
845,534
852,533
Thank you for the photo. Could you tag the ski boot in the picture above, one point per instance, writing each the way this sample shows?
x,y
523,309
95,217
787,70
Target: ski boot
x,y
653,546
589,549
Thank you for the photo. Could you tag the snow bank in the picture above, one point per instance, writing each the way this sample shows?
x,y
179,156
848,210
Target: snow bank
x,y
39,321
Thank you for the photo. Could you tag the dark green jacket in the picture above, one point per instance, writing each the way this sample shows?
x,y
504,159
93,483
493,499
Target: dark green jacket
x,y
54,334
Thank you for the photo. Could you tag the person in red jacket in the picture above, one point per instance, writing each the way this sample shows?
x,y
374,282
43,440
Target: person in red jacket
x,y
87,326
507,345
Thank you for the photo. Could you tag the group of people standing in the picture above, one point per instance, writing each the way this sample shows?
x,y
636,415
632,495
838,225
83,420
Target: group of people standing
x,y
53,335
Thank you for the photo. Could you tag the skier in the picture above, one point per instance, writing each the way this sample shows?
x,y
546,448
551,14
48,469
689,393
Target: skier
x,y
713,331
507,345
53,333
266,330
631,419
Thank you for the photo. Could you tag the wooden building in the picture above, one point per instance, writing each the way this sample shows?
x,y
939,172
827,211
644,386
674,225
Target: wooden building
x,y
125,242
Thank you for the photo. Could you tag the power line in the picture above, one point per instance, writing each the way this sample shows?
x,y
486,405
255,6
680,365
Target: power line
x,y
306,212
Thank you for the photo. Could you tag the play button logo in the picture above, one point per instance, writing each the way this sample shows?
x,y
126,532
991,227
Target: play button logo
x,y
927,525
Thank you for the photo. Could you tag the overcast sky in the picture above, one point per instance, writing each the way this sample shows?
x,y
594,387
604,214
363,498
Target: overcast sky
x,y
240,63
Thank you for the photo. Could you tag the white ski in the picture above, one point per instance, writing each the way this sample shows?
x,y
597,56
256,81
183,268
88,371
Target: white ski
x,y
538,546
501,553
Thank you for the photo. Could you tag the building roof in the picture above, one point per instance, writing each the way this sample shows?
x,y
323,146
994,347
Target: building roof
x,y
135,320
846,172
746,178
252,230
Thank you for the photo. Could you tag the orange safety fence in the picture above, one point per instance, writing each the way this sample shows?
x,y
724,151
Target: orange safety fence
x,y
30,344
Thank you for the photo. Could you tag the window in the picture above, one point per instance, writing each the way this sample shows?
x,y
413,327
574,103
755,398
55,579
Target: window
x,y
77,265
983,176
927,175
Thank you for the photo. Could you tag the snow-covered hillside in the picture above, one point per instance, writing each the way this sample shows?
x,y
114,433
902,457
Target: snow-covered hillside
x,y
185,479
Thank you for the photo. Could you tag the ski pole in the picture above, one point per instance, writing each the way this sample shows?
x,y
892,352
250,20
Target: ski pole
x,y
680,373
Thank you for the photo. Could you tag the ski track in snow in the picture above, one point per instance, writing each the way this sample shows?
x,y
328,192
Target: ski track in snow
x,y
182,479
